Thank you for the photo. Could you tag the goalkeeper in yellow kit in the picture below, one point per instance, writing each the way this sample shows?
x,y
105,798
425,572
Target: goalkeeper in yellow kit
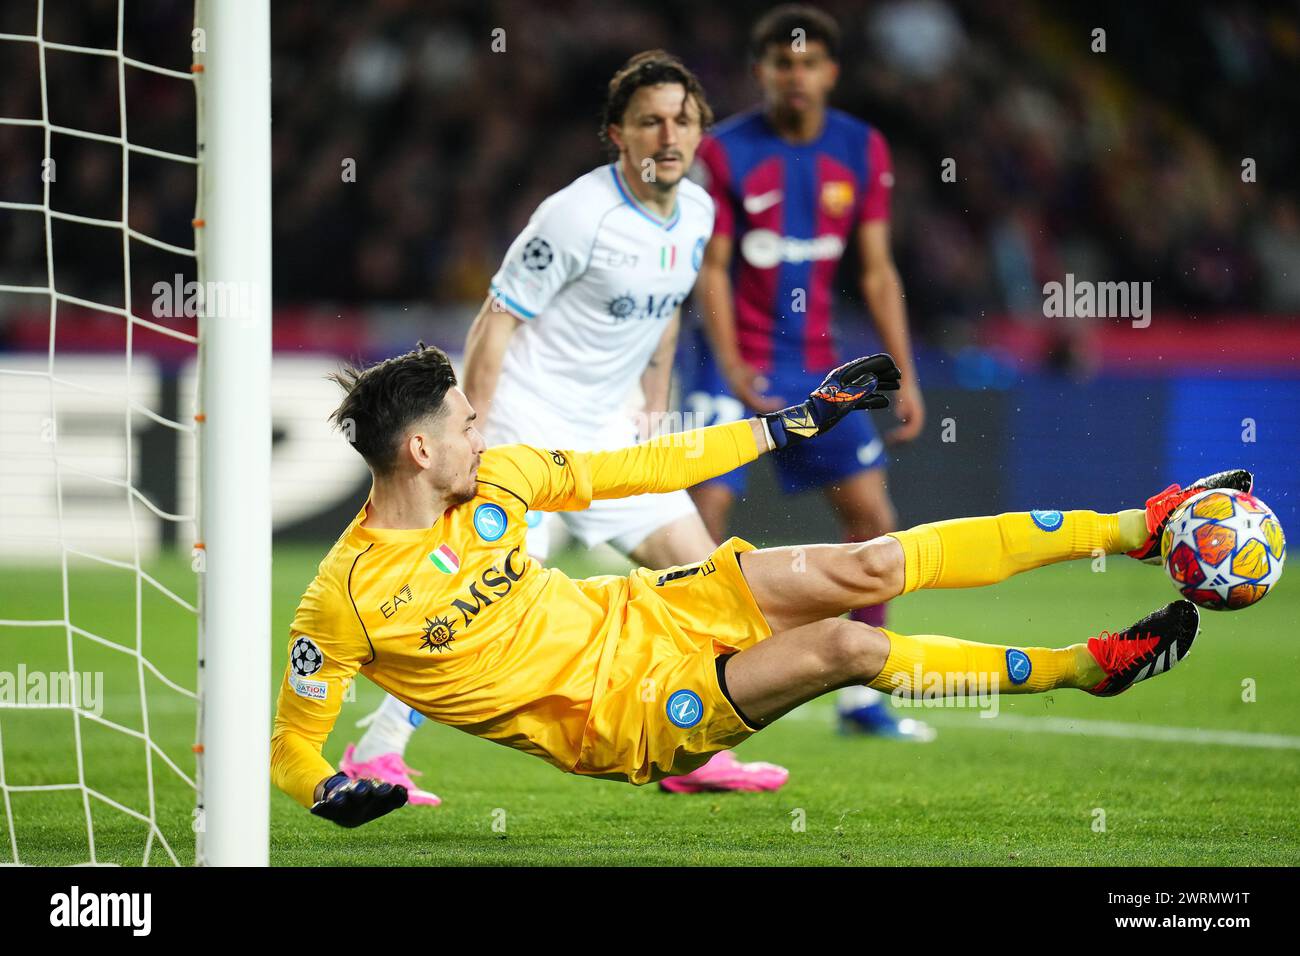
x,y
431,594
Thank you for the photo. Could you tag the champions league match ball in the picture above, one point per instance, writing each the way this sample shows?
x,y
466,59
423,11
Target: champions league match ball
x,y
1223,549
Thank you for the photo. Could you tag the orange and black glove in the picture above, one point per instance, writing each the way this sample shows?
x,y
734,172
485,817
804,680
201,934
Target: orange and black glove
x,y
854,385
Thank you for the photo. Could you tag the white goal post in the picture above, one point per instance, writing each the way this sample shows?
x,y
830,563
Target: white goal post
x,y
235,434
95,522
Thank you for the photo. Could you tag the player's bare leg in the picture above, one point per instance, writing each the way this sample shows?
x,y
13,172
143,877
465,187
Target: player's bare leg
x,y
687,541
798,665
862,502
714,500
800,585
684,541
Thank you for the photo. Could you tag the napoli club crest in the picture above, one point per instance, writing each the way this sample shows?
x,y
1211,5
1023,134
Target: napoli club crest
x,y
685,709
1019,666
1047,520
490,521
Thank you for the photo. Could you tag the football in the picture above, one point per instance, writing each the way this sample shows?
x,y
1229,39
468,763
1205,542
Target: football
x,y
1223,549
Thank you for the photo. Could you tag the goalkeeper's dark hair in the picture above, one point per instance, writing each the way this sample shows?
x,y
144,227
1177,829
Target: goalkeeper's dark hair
x,y
384,399
777,28
649,68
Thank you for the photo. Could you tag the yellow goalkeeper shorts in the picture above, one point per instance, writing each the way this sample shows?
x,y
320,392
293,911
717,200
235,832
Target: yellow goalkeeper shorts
x,y
662,712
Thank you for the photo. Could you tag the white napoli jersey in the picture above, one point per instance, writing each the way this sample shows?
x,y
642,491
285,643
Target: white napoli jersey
x,y
595,277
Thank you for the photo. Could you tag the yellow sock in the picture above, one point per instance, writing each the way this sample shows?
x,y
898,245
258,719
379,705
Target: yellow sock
x,y
971,552
933,665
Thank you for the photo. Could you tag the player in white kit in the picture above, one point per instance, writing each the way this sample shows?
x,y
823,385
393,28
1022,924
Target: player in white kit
x,y
586,307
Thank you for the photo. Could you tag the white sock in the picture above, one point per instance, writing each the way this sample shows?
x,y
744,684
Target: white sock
x,y
388,730
852,698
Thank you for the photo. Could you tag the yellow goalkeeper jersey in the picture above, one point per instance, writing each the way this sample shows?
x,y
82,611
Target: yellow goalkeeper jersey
x,y
459,623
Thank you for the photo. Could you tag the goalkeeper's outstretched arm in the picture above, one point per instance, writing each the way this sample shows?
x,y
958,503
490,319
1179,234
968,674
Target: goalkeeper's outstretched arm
x,y
671,462
308,707
568,481
297,766
705,453
296,760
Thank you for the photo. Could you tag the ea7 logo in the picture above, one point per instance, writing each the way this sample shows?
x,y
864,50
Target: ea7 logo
x,y
389,608
103,909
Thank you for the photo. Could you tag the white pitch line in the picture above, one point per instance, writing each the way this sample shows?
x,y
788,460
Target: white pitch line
x,y
1080,727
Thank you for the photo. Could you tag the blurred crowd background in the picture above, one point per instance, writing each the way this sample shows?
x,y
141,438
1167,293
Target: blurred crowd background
x,y
1171,157
1124,165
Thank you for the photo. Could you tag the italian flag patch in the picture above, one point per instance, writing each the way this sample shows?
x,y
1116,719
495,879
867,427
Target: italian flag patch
x,y
445,560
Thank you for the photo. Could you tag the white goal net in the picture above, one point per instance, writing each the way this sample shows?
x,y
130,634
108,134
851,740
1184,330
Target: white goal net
x,y
107,693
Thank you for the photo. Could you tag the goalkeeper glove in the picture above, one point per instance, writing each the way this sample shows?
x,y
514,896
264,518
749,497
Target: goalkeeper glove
x,y
350,803
852,386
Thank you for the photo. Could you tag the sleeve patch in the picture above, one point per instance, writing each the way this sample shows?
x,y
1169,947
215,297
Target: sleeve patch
x,y
311,689
537,254
305,658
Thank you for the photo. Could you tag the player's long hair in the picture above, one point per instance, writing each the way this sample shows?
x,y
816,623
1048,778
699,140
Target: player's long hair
x,y
384,399
649,68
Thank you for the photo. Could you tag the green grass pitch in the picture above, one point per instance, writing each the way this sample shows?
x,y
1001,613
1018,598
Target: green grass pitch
x,y
994,791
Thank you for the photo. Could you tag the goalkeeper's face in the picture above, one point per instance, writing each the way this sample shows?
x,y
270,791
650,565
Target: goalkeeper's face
x,y
451,461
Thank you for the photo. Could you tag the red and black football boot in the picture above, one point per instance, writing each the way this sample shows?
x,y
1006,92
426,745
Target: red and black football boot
x,y
1151,646
1160,506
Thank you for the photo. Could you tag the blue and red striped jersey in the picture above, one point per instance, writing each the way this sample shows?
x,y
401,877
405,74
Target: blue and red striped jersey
x,y
789,210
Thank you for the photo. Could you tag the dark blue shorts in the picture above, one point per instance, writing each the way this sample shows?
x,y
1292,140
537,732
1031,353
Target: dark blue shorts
x,y
850,447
